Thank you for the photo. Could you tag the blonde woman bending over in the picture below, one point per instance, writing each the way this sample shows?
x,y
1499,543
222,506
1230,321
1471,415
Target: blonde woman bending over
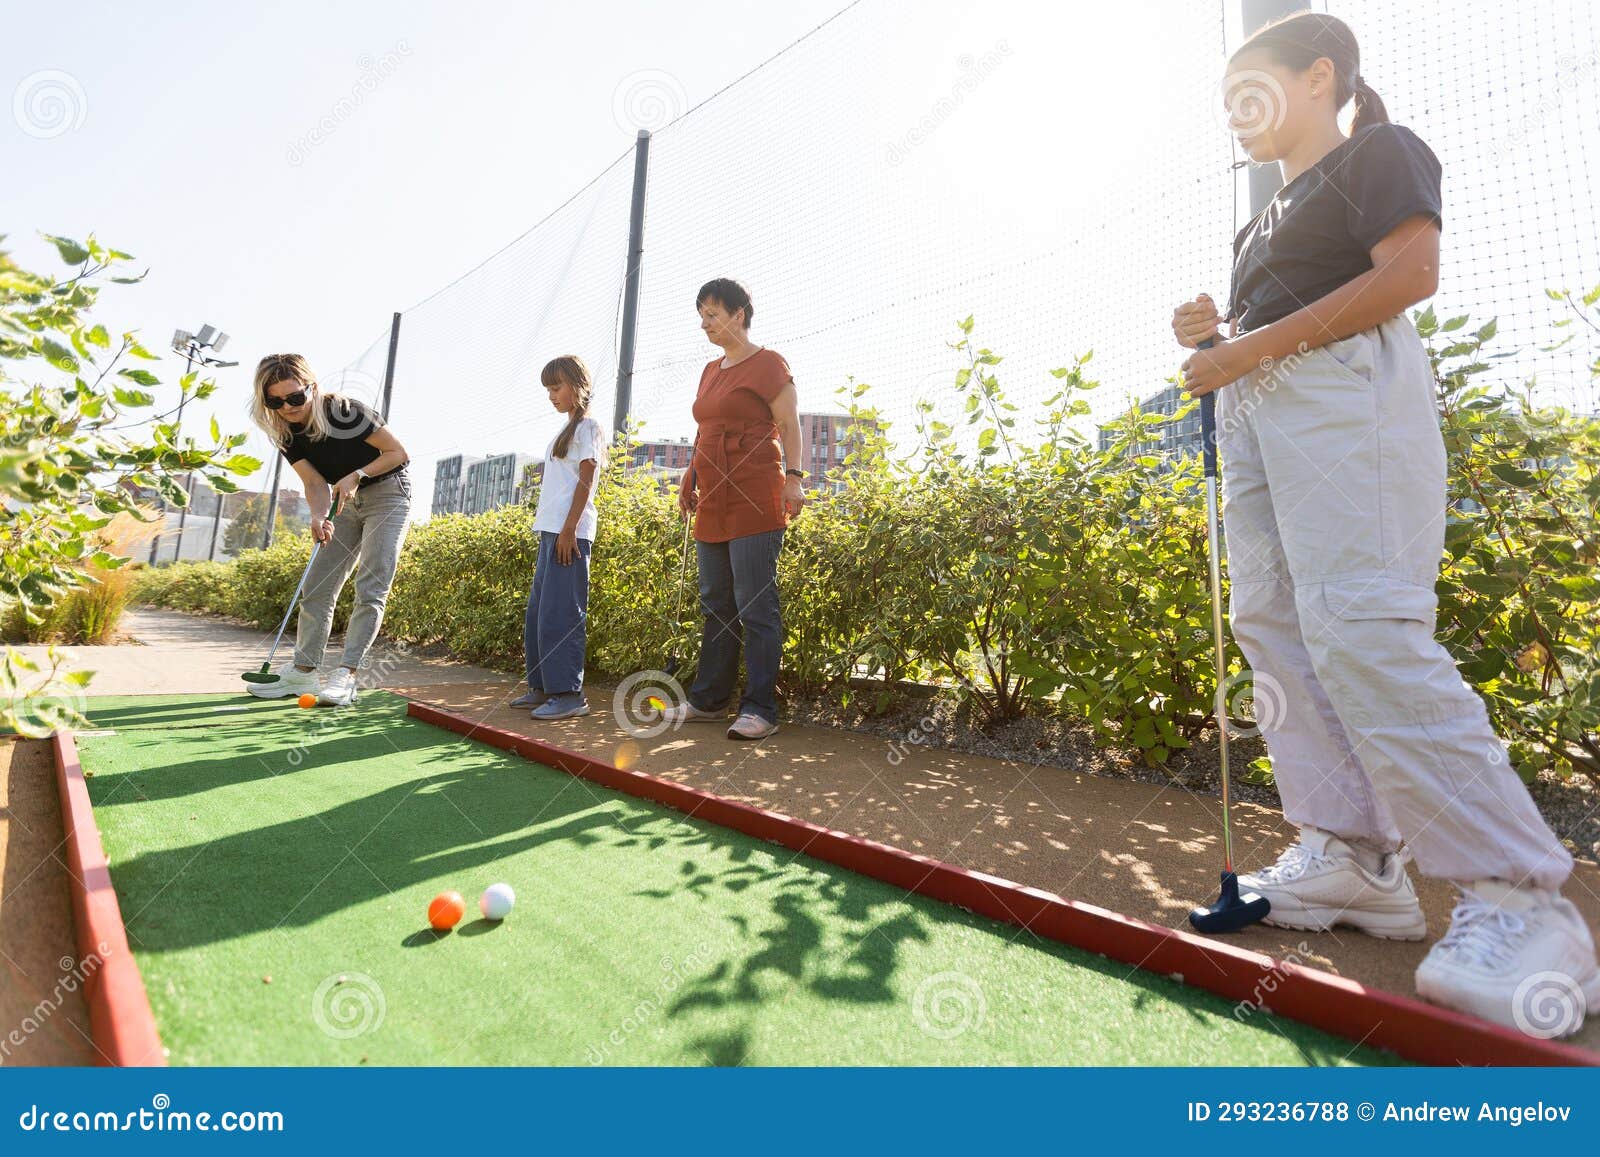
x,y
354,468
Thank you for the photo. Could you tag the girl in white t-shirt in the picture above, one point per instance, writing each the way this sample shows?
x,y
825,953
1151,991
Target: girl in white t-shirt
x,y
554,630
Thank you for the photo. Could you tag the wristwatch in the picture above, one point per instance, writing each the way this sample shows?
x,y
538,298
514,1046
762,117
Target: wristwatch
x,y
800,474
362,474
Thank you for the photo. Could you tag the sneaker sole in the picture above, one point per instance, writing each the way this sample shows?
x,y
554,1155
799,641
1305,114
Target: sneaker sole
x,y
277,691
1382,925
1440,993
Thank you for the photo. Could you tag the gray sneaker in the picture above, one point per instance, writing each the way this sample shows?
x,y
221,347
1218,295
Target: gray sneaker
x,y
751,726
567,706
685,712
529,698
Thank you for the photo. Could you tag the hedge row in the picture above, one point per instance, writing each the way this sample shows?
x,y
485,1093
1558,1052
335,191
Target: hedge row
x,y
1034,573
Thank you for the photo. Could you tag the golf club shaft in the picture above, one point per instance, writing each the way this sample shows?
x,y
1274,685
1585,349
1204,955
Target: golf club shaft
x,y
683,573
683,567
1221,707
1208,437
315,547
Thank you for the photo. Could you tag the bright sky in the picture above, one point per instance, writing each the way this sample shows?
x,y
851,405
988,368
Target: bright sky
x,y
1058,170
191,147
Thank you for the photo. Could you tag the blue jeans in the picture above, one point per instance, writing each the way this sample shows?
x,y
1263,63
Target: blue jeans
x,y
739,589
555,629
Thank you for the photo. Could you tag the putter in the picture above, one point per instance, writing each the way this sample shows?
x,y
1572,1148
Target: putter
x,y
266,674
1232,911
671,667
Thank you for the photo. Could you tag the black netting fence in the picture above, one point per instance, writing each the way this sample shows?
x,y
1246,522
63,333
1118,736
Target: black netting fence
x,y
1060,172
1507,97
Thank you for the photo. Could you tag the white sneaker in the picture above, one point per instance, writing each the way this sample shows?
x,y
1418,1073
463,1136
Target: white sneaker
x,y
1320,882
340,689
1521,957
685,712
750,726
291,681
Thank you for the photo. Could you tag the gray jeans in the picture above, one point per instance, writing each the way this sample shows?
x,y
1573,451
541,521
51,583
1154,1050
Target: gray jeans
x,y
367,535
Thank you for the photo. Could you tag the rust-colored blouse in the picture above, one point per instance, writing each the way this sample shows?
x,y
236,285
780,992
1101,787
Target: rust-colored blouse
x,y
738,461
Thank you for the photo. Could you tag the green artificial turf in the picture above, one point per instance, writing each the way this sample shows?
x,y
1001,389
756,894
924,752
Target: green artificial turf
x,y
304,846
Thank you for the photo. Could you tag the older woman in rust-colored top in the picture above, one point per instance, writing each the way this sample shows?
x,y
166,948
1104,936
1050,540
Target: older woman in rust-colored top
x,y
741,498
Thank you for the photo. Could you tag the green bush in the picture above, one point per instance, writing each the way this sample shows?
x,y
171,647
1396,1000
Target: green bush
x,y
853,610
635,577
255,587
1031,571
1519,600
85,616
463,581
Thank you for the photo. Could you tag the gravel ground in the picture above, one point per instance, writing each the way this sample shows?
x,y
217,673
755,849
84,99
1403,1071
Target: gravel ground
x,y
1571,807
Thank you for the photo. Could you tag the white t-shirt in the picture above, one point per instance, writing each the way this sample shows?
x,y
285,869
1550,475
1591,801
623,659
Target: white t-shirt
x,y
561,481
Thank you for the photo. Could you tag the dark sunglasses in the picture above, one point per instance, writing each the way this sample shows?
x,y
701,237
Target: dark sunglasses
x,y
298,398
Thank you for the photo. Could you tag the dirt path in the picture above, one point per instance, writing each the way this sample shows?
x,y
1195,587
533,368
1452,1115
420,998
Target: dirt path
x,y
43,1017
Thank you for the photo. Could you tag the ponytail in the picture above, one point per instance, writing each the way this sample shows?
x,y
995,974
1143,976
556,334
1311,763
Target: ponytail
x,y
569,368
1369,107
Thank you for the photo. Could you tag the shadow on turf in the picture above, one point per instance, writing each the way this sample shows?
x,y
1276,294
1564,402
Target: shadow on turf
x,y
840,936
178,712
258,749
423,937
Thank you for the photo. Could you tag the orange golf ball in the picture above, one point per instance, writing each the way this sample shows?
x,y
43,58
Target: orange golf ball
x,y
307,700
446,910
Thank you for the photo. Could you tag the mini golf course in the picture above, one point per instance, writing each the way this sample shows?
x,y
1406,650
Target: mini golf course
x,y
274,868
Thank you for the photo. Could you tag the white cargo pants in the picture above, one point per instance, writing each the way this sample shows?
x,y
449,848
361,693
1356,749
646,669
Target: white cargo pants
x,y
1334,481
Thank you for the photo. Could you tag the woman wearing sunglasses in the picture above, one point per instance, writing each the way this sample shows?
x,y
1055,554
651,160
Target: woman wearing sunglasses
x,y
351,465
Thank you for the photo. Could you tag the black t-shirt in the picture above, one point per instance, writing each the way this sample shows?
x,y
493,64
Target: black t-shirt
x,y
346,447
1318,232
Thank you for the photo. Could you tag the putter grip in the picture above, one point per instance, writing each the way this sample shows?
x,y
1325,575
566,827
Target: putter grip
x,y
1208,422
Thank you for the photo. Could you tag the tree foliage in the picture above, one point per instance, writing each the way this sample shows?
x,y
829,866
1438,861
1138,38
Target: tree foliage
x,y
77,447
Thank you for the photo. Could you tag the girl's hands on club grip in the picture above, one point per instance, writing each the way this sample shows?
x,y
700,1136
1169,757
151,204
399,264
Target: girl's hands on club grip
x,y
1194,321
1215,366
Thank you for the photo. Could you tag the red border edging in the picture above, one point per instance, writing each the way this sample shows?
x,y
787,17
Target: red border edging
x,y
123,1027
1403,1025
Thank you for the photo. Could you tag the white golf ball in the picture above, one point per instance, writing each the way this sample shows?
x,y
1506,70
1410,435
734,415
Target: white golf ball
x,y
497,901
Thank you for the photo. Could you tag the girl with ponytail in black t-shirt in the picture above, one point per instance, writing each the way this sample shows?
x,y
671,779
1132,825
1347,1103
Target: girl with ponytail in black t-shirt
x,y
1334,474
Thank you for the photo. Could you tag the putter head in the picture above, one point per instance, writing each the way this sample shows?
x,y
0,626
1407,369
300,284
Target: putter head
x,y
1232,911
264,675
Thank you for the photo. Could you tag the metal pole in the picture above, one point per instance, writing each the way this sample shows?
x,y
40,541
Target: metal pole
x,y
388,372
183,397
216,525
1265,180
630,295
272,500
